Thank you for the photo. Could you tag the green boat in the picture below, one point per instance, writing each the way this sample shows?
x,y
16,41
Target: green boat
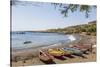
x,y
73,51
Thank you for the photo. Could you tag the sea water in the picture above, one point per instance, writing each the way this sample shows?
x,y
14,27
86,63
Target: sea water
x,y
38,39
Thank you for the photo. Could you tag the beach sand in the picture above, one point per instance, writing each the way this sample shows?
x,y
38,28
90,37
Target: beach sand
x,y
91,57
31,56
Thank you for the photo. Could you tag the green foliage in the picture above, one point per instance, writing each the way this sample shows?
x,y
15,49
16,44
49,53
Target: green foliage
x,y
89,29
65,9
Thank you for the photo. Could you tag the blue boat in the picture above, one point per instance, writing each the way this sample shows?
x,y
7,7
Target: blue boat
x,y
73,51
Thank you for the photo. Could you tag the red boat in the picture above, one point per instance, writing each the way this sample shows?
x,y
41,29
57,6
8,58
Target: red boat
x,y
83,48
44,56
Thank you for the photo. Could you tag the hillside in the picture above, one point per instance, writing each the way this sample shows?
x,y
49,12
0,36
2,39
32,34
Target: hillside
x,y
88,29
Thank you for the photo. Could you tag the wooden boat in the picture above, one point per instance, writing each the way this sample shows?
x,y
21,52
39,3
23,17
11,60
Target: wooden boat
x,y
66,52
45,56
56,52
83,48
73,51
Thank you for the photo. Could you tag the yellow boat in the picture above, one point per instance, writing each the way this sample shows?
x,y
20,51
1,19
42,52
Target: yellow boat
x,y
56,52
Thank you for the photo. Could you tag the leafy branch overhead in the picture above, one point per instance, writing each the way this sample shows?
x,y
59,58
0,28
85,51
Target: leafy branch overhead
x,y
63,8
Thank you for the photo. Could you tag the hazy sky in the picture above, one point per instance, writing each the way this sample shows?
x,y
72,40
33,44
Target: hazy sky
x,y
45,17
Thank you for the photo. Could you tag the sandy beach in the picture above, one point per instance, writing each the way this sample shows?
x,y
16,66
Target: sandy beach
x,y
30,56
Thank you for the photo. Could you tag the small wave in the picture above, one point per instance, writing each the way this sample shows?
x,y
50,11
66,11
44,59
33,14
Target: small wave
x,y
72,38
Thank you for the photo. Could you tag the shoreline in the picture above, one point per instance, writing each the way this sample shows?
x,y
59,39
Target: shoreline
x,y
34,54
55,45
34,50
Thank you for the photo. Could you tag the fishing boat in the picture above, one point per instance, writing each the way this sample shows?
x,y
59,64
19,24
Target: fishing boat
x,y
56,52
45,56
83,48
73,51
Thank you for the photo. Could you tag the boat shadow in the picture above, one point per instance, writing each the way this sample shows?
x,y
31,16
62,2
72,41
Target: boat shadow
x,y
60,57
48,62
82,56
69,56
86,53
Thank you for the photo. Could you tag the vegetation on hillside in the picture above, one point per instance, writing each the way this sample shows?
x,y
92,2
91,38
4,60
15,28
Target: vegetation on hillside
x,y
88,29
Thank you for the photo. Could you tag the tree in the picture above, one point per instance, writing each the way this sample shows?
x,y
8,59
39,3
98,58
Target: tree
x,y
65,9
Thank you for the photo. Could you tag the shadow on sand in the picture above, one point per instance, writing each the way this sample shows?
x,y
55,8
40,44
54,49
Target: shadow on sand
x,y
60,58
48,62
86,53
80,56
69,56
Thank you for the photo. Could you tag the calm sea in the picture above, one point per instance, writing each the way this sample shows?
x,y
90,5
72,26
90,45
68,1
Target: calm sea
x,y
22,40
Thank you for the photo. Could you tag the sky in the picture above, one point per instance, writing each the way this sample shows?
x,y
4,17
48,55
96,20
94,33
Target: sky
x,y
45,16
